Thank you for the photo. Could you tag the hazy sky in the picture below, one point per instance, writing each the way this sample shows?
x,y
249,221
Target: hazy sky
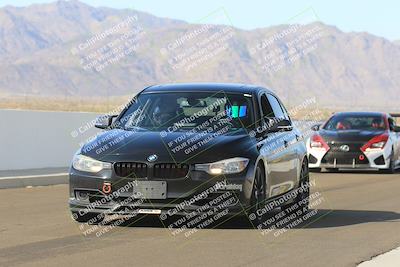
x,y
381,18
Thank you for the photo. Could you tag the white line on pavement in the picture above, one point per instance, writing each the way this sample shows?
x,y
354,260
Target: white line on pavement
x,y
34,176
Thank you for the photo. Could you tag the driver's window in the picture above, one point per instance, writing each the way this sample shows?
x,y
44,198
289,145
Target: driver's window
x,y
285,112
392,124
277,108
266,108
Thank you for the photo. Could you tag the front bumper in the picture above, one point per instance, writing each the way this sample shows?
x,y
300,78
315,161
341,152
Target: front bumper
x,y
227,201
198,192
374,160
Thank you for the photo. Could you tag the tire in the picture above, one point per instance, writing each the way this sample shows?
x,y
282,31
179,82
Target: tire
x,y
392,166
315,169
258,195
302,198
92,218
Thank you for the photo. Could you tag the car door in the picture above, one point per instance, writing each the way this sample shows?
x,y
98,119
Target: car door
x,y
289,168
274,150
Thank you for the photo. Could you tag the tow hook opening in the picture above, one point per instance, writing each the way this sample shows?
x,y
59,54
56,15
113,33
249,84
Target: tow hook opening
x,y
106,188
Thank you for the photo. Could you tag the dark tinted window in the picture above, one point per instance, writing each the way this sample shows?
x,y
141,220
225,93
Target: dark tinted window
x,y
285,112
276,107
266,108
392,124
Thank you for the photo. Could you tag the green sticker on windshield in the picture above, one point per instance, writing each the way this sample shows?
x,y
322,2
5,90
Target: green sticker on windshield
x,y
236,112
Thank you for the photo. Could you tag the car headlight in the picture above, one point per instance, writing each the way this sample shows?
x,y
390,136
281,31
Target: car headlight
x,y
86,164
378,145
228,166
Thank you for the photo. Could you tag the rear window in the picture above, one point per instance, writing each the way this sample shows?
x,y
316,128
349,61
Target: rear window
x,y
356,122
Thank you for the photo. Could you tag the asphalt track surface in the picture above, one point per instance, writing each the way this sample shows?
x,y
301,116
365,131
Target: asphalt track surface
x,y
358,218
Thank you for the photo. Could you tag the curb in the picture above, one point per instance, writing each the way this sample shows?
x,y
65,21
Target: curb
x,y
33,180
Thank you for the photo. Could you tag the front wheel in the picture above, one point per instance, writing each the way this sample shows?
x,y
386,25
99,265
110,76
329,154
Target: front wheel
x,y
392,166
258,195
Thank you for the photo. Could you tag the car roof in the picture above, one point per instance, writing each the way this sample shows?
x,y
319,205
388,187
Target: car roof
x,y
206,87
360,113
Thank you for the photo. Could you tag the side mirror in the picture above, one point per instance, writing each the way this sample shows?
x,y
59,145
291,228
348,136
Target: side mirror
x,y
284,125
316,127
279,125
273,125
105,121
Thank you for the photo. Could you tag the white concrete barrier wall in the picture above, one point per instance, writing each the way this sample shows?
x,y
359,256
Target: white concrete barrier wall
x,y
41,139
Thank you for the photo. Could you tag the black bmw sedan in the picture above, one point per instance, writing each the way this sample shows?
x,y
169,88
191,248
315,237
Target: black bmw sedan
x,y
191,148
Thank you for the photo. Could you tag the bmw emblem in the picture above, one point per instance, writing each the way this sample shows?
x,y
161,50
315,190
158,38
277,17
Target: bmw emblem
x,y
152,158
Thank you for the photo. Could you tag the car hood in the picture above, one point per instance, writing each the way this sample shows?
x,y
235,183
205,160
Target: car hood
x,y
129,146
359,136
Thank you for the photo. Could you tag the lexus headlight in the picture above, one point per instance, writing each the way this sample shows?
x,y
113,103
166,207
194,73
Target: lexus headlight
x,y
228,166
86,164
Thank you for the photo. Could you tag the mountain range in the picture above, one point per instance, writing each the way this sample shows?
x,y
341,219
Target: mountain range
x,y
70,49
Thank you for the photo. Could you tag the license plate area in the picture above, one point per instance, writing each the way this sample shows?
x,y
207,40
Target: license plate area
x,y
149,211
150,190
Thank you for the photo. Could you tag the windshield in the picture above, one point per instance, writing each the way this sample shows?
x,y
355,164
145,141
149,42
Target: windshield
x,y
356,122
183,111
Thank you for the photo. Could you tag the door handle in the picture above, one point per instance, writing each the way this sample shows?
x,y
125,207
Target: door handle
x,y
285,143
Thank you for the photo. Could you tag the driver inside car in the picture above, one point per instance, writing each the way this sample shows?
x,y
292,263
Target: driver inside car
x,y
343,125
377,124
165,111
